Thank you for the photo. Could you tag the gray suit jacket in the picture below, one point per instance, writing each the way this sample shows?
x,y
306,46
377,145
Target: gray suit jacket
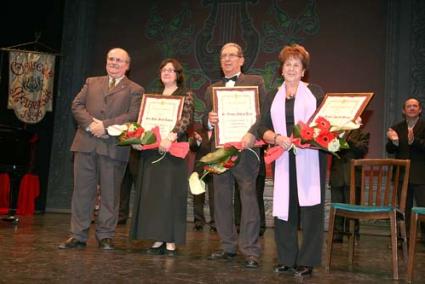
x,y
118,106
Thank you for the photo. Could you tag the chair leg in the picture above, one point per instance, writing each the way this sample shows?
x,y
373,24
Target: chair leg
x,y
330,238
402,226
351,238
412,245
394,244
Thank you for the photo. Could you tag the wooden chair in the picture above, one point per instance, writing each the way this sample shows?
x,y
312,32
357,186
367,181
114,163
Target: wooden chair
x,y
418,214
383,196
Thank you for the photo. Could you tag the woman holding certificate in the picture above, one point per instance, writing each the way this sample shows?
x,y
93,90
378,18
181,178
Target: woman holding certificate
x,y
299,180
159,211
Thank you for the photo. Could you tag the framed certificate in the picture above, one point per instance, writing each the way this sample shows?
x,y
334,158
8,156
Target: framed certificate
x,y
341,108
161,111
237,109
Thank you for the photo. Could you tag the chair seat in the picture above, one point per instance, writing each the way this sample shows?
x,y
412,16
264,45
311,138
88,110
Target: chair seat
x,y
361,208
376,194
419,210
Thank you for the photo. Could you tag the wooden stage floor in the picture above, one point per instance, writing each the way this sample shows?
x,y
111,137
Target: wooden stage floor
x,y
29,254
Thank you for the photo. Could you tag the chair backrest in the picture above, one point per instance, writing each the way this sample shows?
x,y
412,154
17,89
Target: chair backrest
x,y
383,182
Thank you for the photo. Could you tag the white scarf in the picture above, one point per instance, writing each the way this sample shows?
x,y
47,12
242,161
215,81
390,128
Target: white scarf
x,y
306,160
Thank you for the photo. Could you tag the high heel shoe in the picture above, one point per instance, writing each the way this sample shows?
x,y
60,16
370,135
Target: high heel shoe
x,y
157,250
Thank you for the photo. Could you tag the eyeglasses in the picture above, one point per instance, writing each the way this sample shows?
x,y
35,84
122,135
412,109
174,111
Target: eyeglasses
x,y
168,71
117,60
230,55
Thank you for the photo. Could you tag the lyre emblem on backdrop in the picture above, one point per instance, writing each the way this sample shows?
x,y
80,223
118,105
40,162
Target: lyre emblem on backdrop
x,y
228,21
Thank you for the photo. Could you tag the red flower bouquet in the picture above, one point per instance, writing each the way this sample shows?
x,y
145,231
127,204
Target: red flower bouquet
x,y
319,135
217,162
220,160
132,133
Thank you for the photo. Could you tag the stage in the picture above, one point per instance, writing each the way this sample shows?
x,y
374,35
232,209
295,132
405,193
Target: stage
x,y
29,254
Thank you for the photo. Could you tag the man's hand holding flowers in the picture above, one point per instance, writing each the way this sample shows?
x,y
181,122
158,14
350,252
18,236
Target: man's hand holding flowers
x,y
248,141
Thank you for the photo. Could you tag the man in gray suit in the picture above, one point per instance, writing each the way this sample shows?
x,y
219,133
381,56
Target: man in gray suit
x,y
103,101
244,173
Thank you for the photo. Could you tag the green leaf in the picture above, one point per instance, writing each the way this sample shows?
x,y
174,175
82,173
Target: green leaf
x,y
296,131
148,138
219,155
344,144
129,142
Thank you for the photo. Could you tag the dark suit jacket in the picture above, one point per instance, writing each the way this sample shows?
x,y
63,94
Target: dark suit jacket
x,y
341,168
118,106
243,80
415,152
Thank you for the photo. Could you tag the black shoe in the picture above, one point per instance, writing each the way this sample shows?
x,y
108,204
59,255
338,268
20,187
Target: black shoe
x,y
221,254
213,228
171,252
72,243
157,251
106,244
198,227
251,262
122,221
262,230
304,271
280,268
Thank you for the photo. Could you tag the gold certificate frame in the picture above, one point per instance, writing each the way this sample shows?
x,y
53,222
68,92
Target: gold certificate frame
x,y
237,109
341,108
162,111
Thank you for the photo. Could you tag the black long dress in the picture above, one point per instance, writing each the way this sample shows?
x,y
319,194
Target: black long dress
x,y
159,210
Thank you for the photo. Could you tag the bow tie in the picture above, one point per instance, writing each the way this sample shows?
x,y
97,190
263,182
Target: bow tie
x,y
234,78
